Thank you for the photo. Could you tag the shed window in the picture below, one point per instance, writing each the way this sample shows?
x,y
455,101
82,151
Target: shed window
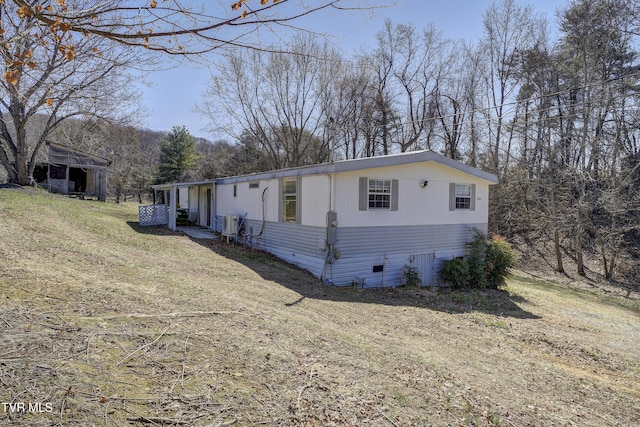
x,y
254,184
57,172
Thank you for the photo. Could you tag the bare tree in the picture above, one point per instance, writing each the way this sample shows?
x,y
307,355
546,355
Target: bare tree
x,y
350,103
471,76
383,116
509,29
277,98
567,158
451,102
414,63
129,163
599,60
80,77
69,58
166,26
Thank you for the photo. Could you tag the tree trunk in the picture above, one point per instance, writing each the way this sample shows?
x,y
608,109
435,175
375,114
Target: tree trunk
x,y
385,132
556,245
579,259
22,174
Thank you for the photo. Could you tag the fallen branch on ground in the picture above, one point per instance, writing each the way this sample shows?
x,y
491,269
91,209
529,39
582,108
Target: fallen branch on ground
x,y
172,315
156,420
142,347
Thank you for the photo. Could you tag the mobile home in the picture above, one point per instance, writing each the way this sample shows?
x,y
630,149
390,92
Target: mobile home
x,y
357,222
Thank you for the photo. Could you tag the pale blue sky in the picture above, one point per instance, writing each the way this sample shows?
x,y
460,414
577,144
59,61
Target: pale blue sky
x,y
170,101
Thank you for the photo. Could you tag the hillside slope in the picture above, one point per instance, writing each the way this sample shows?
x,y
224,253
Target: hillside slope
x,y
106,323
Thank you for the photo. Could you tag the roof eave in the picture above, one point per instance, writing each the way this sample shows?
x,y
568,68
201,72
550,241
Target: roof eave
x,y
365,163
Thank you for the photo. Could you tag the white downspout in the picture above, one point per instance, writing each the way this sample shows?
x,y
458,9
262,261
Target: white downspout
x,y
214,210
211,207
332,190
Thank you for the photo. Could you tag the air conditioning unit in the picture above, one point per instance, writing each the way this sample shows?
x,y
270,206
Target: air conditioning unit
x,y
230,225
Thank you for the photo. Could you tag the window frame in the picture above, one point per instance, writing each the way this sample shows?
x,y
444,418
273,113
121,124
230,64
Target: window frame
x,y
379,194
463,196
459,201
58,171
364,193
287,197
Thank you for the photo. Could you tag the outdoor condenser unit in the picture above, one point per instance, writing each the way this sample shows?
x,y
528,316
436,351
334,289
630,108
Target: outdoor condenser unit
x,y
230,225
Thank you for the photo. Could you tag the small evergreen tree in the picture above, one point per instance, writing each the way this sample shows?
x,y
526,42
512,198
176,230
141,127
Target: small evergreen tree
x,y
487,264
456,273
177,155
477,260
500,259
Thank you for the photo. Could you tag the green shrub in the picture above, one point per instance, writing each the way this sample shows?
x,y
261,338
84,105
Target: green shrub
x,y
477,259
456,273
487,264
411,276
499,260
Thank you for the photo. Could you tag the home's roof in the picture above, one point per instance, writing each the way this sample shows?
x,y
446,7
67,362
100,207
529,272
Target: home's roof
x,y
365,163
347,166
168,186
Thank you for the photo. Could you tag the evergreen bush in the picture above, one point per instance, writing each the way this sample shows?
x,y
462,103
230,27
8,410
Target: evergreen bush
x,y
456,273
477,259
487,264
499,260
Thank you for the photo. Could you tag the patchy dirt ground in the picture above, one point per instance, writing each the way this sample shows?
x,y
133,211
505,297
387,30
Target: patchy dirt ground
x,y
103,322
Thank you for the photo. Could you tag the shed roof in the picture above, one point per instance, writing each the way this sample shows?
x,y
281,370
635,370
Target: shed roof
x,y
66,155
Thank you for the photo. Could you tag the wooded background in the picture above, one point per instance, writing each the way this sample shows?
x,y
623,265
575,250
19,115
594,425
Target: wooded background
x,y
552,110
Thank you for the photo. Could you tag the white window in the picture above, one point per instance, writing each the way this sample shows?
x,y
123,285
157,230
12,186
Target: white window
x,y
379,193
463,196
290,200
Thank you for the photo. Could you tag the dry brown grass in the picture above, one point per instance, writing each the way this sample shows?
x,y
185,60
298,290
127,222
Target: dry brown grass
x,y
113,324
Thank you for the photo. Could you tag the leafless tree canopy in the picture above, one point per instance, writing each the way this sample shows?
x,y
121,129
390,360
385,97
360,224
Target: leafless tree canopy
x,y
557,119
168,26
280,99
57,77
67,58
